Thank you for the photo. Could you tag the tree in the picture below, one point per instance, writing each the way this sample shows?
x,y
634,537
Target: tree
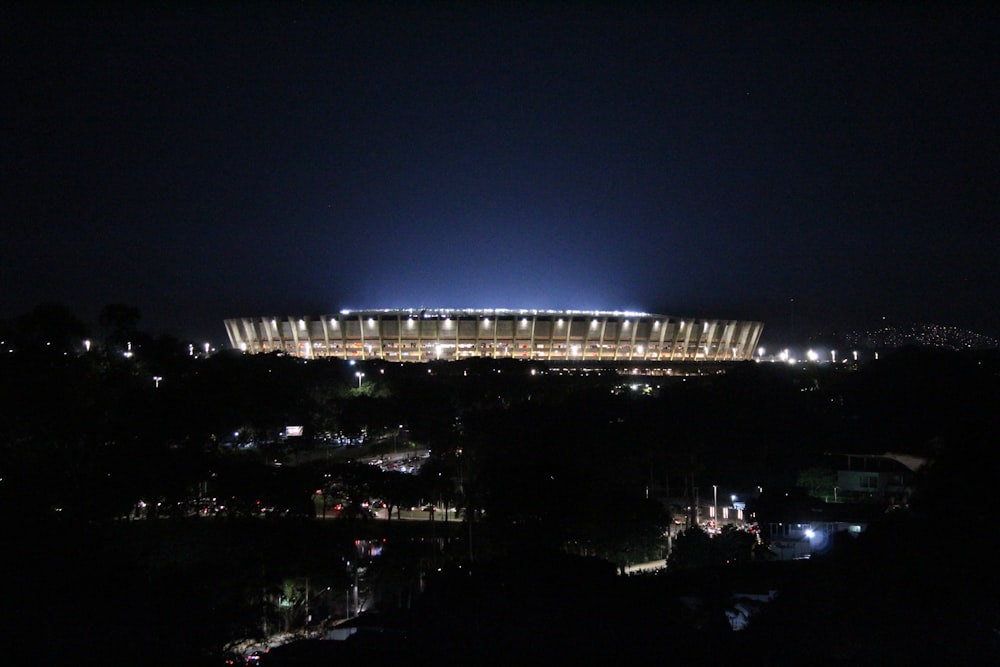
x,y
52,327
817,482
693,548
119,322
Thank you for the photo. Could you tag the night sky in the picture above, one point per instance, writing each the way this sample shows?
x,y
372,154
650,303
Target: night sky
x,y
251,159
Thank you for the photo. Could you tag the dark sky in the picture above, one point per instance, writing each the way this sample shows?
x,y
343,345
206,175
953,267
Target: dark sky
x,y
250,159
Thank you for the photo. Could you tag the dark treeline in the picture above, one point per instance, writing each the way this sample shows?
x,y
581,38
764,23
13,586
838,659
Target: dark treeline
x,y
537,461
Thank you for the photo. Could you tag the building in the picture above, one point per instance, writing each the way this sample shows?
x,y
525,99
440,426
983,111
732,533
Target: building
x,y
795,525
886,478
546,335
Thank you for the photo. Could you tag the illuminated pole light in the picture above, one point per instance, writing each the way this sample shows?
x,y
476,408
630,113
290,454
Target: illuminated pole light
x,y
854,353
156,381
86,345
833,356
208,346
811,355
359,375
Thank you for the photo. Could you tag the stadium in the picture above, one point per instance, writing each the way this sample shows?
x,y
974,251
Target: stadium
x,y
421,335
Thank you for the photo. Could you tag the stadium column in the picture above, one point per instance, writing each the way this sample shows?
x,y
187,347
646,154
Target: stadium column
x,y
420,337
250,333
741,333
343,336
531,344
752,333
361,328
552,333
587,326
600,348
381,339
685,350
663,337
295,335
569,330
618,340
479,325
709,335
635,332
326,335
270,333
727,340
496,332
399,337
701,344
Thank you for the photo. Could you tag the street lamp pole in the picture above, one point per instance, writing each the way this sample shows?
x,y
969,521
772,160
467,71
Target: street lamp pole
x,y
715,504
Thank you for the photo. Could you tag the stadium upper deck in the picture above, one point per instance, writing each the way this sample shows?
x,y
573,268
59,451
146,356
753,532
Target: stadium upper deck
x,y
547,335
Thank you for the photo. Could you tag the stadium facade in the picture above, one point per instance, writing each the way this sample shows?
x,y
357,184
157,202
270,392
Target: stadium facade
x,y
419,335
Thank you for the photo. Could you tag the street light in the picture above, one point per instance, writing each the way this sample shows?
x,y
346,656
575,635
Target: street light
x,y
359,375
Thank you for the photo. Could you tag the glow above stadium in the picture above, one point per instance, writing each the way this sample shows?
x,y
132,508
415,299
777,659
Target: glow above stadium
x,y
418,335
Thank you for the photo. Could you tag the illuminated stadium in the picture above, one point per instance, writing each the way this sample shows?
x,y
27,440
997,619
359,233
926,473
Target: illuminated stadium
x,y
419,335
